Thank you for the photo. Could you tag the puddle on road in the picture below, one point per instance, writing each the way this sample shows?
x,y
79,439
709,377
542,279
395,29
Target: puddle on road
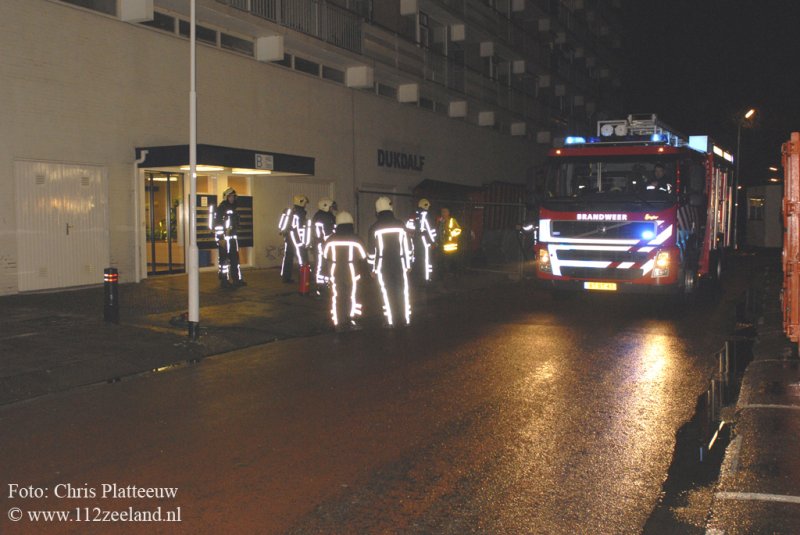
x,y
700,445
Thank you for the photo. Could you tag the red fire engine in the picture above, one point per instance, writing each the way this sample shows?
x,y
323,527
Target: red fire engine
x,y
636,208
791,237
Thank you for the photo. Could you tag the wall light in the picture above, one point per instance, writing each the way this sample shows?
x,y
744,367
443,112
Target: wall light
x,y
242,171
203,168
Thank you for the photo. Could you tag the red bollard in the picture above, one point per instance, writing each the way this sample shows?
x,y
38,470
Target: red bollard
x,y
305,279
111,295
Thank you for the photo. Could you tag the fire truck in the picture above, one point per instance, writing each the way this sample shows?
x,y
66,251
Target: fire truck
x,y
636,208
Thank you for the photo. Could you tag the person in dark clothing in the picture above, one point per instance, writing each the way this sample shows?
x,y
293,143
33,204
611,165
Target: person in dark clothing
x,y
296,236
322,225
389,253
343,261
226,225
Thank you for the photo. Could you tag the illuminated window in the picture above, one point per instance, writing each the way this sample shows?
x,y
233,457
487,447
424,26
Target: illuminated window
x,y
755,208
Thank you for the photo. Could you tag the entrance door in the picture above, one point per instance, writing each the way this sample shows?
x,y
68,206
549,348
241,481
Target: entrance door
x,y
164,222
62,224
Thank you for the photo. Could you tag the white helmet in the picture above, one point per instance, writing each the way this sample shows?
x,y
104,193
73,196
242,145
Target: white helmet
x,y
229,191
325,204
344,218
425,204
300,200
383,204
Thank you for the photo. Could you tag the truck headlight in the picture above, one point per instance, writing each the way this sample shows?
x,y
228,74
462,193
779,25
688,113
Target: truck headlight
x,y
661,268
544,261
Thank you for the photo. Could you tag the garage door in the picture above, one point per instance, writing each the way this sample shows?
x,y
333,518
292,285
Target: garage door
x,y
62,224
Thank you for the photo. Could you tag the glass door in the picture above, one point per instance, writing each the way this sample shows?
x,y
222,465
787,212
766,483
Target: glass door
x,y
164,222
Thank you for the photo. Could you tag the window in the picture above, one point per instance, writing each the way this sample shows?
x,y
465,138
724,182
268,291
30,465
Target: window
x,y
161,22
206,35
236,44
103,6
286,61
304,65
424,30
329,73
387,91
756,208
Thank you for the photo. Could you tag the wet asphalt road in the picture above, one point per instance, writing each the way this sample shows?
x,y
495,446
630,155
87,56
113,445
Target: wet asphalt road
x,y
496,413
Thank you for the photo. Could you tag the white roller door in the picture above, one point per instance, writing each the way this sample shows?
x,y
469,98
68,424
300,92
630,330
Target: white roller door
x,y
62,224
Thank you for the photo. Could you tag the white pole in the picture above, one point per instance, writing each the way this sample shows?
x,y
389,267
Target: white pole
x,y
194,274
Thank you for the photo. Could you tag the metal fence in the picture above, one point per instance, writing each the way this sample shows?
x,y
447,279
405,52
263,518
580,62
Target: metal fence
x,y
491,239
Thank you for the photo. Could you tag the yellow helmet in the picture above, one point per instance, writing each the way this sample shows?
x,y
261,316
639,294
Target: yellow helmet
x,y
325,204
229,191
300,200
425,204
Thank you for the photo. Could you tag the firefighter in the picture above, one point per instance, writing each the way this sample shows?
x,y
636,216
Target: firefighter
x,y
226,226
449,232
322,224
342,261
423,239
660,181
296,236
389,253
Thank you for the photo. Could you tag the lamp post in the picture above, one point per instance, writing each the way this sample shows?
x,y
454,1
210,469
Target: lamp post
x,y
747,116
193,268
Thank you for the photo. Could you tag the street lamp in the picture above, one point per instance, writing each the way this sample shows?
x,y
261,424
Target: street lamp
x,y
742,121
193,263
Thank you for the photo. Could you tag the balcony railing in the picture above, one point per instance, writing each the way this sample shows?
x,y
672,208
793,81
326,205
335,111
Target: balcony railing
x,y
316,18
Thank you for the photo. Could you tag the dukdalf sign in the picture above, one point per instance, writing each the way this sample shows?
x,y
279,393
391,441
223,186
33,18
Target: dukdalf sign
x,y
400,160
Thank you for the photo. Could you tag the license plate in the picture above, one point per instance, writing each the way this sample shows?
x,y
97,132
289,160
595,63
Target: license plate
x,y
605,286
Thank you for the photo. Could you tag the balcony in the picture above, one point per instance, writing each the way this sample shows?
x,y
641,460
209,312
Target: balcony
x,y
317,18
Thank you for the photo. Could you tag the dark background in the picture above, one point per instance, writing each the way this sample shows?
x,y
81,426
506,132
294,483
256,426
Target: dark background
x,y
701,64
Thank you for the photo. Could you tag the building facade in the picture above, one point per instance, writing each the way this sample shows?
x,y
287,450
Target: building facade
x,y
340,98
764,216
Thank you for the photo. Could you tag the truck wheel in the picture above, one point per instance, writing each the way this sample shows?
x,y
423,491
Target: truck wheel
x,y
688,290
718,265
712,285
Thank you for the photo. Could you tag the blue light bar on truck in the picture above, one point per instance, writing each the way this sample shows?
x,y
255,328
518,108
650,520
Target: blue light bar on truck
x,y
575,140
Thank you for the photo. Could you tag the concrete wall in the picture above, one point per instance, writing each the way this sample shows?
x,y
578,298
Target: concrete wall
x,y
86,88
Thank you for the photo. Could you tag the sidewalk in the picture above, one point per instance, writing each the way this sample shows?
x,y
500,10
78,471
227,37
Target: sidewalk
x,y
759,486
55,341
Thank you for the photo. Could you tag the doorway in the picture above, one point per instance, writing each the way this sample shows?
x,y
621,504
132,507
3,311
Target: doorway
x,y
62,224
164,225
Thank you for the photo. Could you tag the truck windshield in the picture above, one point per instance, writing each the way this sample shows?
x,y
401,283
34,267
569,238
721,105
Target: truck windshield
x,y
617,179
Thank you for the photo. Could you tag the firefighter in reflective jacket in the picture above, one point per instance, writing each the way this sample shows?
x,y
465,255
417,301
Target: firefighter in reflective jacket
x,y
322,224
343,260
423,238
449,232
226,225
296,236
389,253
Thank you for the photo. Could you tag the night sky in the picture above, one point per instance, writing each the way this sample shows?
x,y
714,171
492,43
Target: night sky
x,y
699,64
